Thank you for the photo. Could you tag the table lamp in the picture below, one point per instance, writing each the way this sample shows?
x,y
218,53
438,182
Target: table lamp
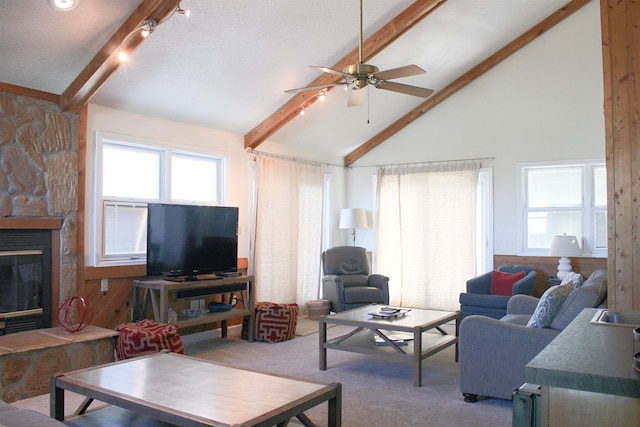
x,y
353,218
564,246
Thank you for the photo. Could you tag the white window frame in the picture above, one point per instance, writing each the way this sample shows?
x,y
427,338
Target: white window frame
x,y
97,257
587,209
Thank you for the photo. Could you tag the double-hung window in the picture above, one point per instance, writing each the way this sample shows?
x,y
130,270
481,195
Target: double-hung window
x,y
563,198
131,173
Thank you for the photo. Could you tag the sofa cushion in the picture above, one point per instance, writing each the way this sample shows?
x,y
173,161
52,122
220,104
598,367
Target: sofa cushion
x,y
502,283
355,280
516,319
574,278
363,295
549,305
591,294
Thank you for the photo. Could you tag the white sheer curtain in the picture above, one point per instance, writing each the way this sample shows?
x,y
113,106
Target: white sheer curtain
x,y
426,232
287,231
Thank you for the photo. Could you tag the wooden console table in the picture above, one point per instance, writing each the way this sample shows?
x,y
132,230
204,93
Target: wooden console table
x,y
161,294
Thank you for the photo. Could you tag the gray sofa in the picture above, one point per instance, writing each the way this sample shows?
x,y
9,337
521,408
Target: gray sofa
x,y
12,416
493,353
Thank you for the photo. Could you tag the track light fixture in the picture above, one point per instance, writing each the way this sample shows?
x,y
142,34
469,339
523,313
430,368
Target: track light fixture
x,y
321,95
181,11
148,25
146,28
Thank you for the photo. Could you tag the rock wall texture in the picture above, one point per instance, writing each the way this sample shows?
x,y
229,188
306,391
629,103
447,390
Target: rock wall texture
x,y
39,171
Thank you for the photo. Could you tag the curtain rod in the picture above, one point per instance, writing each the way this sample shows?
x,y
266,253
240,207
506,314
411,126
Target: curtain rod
x,y
426,162
292,159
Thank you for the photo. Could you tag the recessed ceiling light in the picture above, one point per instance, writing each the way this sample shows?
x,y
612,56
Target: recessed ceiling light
x,y
63,5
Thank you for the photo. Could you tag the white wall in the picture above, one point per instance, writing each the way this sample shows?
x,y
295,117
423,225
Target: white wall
x,y
178,134
545,102
239,167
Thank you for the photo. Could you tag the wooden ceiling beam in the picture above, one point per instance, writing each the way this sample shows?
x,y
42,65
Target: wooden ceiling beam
x,y
33,93
441,95
386,35
106,61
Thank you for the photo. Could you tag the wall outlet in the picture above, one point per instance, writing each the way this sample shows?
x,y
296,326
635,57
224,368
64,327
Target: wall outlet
x,y
104,285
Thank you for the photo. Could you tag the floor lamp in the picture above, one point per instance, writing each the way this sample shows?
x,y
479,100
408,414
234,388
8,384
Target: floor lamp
x,y
564,246
353,218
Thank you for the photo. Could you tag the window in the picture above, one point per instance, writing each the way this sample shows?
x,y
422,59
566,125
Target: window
x,y
132,173
563,198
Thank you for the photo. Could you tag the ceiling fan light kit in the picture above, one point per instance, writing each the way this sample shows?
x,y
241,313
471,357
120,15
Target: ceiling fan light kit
x,y
360,75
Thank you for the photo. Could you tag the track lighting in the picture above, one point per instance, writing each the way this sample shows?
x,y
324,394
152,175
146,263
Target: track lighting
x,y
148,25
321,95
181,11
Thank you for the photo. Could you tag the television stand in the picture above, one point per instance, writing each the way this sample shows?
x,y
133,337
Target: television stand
x,y
153,298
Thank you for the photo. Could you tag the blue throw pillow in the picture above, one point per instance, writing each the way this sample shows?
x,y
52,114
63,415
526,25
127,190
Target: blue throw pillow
x,y
549,304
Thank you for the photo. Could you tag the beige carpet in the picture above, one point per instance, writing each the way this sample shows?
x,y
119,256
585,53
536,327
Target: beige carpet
x,y
307,326
376,392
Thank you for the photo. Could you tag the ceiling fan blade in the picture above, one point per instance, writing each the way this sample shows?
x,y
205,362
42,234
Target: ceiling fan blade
x,y
406,89
395,73
356,97
317,87
328,70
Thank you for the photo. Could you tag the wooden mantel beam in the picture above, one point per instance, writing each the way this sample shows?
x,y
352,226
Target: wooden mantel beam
x,y
106,61
465,79
386,35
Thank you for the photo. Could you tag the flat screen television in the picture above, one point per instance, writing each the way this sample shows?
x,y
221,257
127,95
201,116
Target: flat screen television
x,y
188,240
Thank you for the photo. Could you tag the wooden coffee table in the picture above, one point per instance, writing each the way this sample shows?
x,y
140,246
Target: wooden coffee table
x,y
415,322
171,389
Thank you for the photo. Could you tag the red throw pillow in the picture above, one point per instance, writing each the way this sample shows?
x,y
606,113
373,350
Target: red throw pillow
x,y
502,283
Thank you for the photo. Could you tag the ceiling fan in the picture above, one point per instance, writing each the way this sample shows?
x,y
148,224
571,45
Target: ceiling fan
x,y
356,77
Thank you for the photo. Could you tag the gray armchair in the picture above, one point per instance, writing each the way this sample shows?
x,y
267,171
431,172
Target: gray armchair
x,y
479,300
347,282
492,353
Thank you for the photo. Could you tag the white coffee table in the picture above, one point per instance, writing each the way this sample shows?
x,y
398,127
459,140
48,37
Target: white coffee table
x,y
416,322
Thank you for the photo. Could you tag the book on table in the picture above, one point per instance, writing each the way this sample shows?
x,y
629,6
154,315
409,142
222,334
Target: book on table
x,y
396,338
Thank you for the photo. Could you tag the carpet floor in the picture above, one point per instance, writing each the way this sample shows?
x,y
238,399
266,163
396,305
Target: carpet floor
x,y
375,392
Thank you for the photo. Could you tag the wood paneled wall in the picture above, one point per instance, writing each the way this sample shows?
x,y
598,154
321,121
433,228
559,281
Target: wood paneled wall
x,y
113,307
620,20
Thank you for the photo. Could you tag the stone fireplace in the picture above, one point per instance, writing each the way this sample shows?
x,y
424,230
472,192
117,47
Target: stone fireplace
x,y
39,195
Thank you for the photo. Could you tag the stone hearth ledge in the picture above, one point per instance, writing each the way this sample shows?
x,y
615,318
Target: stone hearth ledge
x,y
51,337
28,359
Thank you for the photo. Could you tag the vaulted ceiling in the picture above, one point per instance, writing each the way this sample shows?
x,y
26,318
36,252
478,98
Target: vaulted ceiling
x,y
227,65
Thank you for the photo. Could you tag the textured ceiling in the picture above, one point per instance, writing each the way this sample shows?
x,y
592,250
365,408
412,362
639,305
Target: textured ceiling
x,y
228,64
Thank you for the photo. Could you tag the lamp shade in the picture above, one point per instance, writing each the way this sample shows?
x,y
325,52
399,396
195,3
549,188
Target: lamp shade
x,y
565,246
353,218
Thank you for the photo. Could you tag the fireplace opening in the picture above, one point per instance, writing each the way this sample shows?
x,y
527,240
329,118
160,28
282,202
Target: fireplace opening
x,y
25,280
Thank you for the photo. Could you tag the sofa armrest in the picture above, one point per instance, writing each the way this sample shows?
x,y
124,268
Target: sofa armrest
x,y
333,290
381,282
522,304
525,285
493,354
480,284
